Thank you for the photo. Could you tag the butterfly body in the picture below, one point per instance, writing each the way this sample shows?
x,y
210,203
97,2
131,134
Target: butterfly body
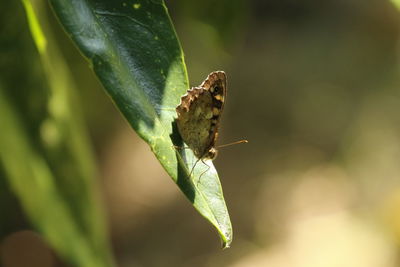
x,y
199,115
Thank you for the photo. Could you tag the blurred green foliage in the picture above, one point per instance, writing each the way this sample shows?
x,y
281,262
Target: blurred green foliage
x,y
313,85
44,149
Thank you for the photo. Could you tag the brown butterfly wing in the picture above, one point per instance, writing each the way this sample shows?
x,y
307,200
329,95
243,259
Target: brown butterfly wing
x,y
216,85
194,119
199,114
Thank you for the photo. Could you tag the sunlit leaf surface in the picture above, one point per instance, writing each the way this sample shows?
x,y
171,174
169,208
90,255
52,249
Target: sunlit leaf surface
x,y
133,49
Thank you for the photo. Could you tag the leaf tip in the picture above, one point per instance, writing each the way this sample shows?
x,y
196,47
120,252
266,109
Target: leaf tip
x,y
226,241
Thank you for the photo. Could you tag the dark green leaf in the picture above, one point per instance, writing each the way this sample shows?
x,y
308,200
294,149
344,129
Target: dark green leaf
x,y
134,51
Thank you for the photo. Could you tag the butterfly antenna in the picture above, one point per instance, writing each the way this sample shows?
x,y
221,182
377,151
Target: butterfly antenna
x,y
234,143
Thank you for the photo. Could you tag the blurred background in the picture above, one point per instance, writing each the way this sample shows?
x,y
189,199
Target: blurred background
x,y
313,86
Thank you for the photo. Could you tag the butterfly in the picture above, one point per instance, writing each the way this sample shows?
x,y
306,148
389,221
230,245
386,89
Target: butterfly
x,y
199,114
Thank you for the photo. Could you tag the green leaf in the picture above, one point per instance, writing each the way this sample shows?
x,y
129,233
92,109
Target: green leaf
x,y
44,150
35,185
396,3
133,49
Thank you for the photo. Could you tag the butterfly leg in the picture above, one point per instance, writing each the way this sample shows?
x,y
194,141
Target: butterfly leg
x,y
185,147
208,168
191,171
197,161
